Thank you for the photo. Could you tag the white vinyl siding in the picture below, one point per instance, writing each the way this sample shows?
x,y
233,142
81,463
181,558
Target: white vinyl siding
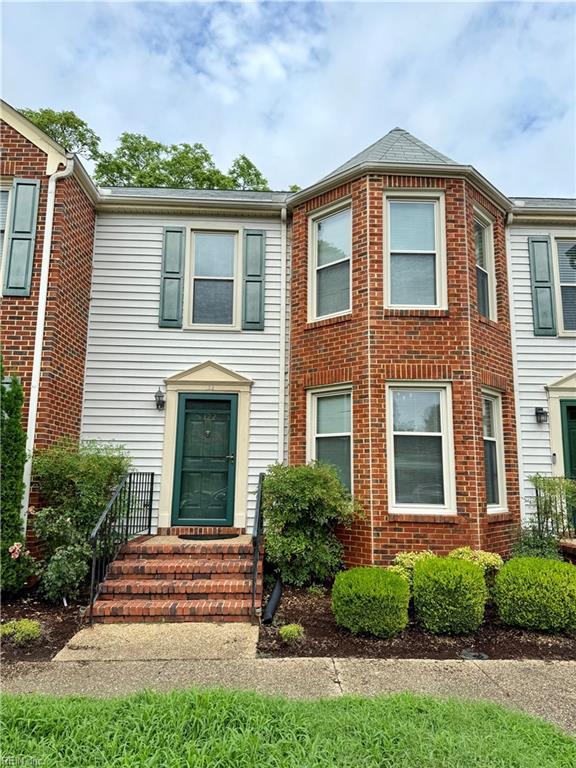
x,y
129,356
540,360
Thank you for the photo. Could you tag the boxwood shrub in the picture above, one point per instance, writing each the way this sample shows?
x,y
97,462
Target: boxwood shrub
x,y
371,600
449,595
534,593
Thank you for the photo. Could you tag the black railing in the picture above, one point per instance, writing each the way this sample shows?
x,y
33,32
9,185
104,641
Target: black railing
x,y
127,514
257,541
555,506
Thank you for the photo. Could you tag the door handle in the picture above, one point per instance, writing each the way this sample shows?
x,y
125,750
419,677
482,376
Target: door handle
x,y
231,457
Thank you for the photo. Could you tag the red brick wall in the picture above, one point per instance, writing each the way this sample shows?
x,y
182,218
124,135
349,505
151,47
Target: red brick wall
x,y
64,350
373,346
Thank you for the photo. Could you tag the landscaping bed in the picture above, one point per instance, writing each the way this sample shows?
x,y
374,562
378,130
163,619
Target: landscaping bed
x,y
58,625
322,637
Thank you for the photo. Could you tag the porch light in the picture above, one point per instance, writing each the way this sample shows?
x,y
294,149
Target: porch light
x,y
541,415
160,399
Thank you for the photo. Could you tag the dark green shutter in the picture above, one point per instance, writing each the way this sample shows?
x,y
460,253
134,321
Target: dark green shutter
x,y
21,237
172,279
253,288
542,277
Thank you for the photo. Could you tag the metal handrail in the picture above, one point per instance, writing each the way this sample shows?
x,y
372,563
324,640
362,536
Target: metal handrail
x,y
257,539
127,514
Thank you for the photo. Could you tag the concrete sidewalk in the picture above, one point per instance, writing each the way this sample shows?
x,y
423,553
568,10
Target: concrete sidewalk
x,y
546,689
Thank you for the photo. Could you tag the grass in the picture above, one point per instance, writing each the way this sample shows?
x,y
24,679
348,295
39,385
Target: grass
x,y
217,729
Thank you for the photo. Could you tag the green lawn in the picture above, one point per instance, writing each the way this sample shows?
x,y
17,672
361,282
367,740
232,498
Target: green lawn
x,y
217,729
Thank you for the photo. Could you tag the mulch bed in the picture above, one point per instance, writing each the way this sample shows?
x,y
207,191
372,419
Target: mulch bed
x,y
58,623
324,638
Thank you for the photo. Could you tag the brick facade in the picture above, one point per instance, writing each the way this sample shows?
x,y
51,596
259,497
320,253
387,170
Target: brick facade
x,y
66,327
373,346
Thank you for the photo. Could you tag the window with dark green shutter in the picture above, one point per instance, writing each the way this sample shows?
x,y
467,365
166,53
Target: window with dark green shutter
x,y
542,278
21,237
567,276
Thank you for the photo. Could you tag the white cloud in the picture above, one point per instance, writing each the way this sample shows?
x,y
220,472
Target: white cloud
x,y
301,87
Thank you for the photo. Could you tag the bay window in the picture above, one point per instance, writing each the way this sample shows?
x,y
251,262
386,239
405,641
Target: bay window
x,y
330,264
330,431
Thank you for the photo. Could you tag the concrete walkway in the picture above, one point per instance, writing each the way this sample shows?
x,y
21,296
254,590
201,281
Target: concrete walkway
x,y
546,689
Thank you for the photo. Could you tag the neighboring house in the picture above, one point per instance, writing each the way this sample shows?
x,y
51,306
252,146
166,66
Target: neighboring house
x,y
46,244
363,321
542,241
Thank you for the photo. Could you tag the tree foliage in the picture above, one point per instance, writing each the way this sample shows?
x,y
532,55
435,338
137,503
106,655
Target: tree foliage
x,y
67,129
15,563
139,161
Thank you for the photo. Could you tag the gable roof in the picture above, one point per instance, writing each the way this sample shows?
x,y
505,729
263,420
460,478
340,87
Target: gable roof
x,y
397,146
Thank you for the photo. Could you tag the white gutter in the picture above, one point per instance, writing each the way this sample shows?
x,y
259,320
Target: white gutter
x,y
283,351
40,325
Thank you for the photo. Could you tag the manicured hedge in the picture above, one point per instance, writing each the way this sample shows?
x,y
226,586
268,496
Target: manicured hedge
x,y
449,595
537,594
372,600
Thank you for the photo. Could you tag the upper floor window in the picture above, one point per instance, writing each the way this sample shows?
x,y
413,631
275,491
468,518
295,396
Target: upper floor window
x,y
4,198
330,267
567,282
214,277
485,273
414,253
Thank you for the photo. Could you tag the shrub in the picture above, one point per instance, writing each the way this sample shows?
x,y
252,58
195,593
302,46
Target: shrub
x,y
554,505
66,571
316,590
449,595
372,600
76,482
302,506
21,631
404,562
16,565
291,634
534,543
490,562
537,594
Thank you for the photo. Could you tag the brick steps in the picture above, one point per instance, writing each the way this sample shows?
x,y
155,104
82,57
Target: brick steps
x,y
178,589
169,610
167,579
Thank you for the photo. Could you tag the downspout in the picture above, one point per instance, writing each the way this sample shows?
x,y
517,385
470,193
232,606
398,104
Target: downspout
x,y
40,325
283,351
513,339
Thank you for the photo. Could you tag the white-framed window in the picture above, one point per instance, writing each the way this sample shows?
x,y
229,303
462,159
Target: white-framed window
x,y
420,448
566,290
330,263
414,250
485,268
214,279
330,430
494,468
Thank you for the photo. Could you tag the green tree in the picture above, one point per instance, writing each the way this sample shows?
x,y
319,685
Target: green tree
x,y
244,175
294,188
15,563
67,129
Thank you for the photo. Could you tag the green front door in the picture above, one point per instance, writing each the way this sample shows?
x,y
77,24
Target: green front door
x,y
205,460
568,411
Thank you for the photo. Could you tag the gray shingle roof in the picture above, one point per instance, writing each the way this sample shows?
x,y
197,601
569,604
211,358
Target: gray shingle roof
x,y
545,203
237,195
398,146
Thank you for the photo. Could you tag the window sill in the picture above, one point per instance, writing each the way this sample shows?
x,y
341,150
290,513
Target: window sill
x,y
442,518
328,321
488,321
415,312
499,515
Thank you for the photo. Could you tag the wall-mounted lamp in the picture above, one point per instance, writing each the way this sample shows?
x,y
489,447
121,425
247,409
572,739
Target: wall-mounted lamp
x,y
160,399
541,415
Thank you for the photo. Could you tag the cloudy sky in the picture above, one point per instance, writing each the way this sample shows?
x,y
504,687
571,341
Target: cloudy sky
x,y
300,87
